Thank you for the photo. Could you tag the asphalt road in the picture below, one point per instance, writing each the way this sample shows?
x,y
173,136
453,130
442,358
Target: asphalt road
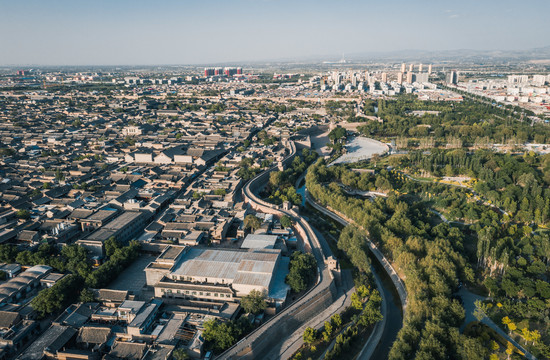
x,y
469,299
382,332
324,282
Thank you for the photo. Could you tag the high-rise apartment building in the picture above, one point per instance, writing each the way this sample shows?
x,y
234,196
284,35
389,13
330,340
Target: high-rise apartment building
x,y
422,77
228,71
452,78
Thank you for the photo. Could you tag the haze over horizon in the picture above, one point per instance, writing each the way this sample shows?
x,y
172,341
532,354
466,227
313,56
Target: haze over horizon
x,y
63,32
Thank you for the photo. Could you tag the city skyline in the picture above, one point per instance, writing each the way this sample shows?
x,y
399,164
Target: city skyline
x,y
192,32
274,180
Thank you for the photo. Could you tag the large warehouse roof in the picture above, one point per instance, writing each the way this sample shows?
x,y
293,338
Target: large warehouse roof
x,y
254,267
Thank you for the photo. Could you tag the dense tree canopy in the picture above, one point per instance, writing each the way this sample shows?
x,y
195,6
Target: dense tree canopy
x,y
220,335
303,271
254,302
476,122
429,256
281,186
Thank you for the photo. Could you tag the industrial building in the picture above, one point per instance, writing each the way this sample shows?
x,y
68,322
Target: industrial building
x,y
223,275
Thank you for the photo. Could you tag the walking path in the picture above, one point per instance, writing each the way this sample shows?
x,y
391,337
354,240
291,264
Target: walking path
x,y
469,300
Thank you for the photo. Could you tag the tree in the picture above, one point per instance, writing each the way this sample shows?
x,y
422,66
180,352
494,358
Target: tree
x,y
59,175
197,195
336,321
276,178
222,335
509,349
180,354
252,222
480,310
356,301
254,302
111,245
286,221
110,269
23,214
303,270
87,295
7,152
220,192
327,332
219,334
51,300
535,336
262,134
75,259
370,314
337,134
8,253
310,335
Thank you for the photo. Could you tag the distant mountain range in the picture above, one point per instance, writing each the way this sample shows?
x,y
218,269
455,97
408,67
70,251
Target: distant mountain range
x,y
542,53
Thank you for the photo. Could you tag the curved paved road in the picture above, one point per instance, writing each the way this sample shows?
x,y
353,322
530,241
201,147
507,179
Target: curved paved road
x,y
324,280
399,285
376,336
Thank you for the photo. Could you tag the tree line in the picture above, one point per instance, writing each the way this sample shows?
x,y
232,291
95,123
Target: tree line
x,y
429,256
281,185
71,259
472,119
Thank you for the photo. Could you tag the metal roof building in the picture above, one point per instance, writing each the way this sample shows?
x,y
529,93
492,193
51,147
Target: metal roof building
x,y
221,274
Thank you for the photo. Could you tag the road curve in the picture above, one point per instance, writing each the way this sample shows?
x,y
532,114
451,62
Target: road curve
x,y
325,277
399,285
376,336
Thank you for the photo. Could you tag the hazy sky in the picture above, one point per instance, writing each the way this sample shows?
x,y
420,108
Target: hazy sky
x,y
90,32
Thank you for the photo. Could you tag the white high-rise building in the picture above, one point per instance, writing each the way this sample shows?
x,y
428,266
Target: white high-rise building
x,y
430,69
422,78
411,67
518,79
539,79
420,68
403,67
